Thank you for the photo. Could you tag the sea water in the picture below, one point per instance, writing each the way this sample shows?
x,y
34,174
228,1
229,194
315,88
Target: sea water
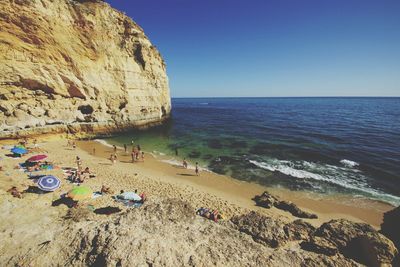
x,y
324,145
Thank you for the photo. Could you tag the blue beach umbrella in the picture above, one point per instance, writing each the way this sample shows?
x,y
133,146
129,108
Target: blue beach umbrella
x,y
49,183
19,150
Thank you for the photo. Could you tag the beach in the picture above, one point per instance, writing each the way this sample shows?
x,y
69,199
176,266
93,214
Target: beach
x,y
158,178
160,181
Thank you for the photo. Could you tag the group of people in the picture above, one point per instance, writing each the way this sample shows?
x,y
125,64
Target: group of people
x,y
81,174
196,168
136,154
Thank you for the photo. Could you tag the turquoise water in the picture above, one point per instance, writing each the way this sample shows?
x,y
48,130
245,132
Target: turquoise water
x,y
325,145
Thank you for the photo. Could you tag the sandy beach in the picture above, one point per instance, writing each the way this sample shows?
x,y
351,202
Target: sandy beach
x,y
161,181
158,178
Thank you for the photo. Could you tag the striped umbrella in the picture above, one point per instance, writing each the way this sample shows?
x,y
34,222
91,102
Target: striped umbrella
x,y
19,150
80,193
36,158
49,183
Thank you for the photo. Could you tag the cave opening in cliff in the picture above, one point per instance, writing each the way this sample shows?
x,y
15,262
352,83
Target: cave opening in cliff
x,y
86,109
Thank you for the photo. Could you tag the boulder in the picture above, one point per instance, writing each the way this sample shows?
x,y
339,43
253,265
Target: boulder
x,y
294,210
372,249
265,200
320,245
298,230
391,225
358,241
262,229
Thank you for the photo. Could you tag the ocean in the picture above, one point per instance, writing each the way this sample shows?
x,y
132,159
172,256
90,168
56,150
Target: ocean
x,y
324,145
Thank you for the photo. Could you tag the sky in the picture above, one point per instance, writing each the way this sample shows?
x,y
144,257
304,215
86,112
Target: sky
x,y
273,48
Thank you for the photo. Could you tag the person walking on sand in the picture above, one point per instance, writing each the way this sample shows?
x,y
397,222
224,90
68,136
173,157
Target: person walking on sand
x,y
197,169
115,148
133,155
125,148
184,163
142,156
94,151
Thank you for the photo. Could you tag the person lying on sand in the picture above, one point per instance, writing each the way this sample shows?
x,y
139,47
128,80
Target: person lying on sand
x,y
105,190
87,172
14,192
209,214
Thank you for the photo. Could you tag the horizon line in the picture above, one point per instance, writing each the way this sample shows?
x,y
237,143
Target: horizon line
x,y
285,96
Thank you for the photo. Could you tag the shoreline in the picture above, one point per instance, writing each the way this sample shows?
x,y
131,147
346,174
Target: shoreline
x,y
241,192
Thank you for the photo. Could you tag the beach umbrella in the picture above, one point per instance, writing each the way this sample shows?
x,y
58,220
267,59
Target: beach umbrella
x,y
19,150
49,183
131,196
80,193
36,158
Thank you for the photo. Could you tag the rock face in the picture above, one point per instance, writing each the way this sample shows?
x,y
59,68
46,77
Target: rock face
x,y
77,65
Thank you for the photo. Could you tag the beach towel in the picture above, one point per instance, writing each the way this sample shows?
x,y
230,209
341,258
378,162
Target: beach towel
x,y
128,203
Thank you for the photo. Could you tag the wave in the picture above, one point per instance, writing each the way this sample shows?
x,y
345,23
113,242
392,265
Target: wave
x,y
344,177
349,163
105,143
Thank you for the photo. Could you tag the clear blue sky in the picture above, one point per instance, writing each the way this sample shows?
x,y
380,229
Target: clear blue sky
x,y
274,47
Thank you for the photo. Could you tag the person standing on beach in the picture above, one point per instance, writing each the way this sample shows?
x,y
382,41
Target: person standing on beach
x,y
73,145
115,148
78,163
184,163
94,151
142,156
197,169
176,151
133,154
125,148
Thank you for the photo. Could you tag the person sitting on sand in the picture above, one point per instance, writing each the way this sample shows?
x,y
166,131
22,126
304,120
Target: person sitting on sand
x,y
14,192
143,197
105,190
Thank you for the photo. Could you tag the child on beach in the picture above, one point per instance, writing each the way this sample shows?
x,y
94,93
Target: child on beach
x,y
197,169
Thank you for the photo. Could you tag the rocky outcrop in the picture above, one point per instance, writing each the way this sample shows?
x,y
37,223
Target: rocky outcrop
x,y
390,228
358,241
163,232
390,225
268,201
68,65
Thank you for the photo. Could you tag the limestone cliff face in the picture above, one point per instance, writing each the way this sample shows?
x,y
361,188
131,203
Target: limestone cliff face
x,y
77,66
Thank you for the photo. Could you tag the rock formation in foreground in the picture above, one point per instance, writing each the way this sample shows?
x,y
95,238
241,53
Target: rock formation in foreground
x,y
77,66
166,232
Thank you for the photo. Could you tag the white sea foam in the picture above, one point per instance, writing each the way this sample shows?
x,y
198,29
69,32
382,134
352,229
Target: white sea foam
x,y
328,173
105,143
175,162
349,163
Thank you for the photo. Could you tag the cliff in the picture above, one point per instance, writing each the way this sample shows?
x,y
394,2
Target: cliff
x,y
76,66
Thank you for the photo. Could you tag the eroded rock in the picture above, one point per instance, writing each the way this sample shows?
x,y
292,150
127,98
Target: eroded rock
x,y
60,61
